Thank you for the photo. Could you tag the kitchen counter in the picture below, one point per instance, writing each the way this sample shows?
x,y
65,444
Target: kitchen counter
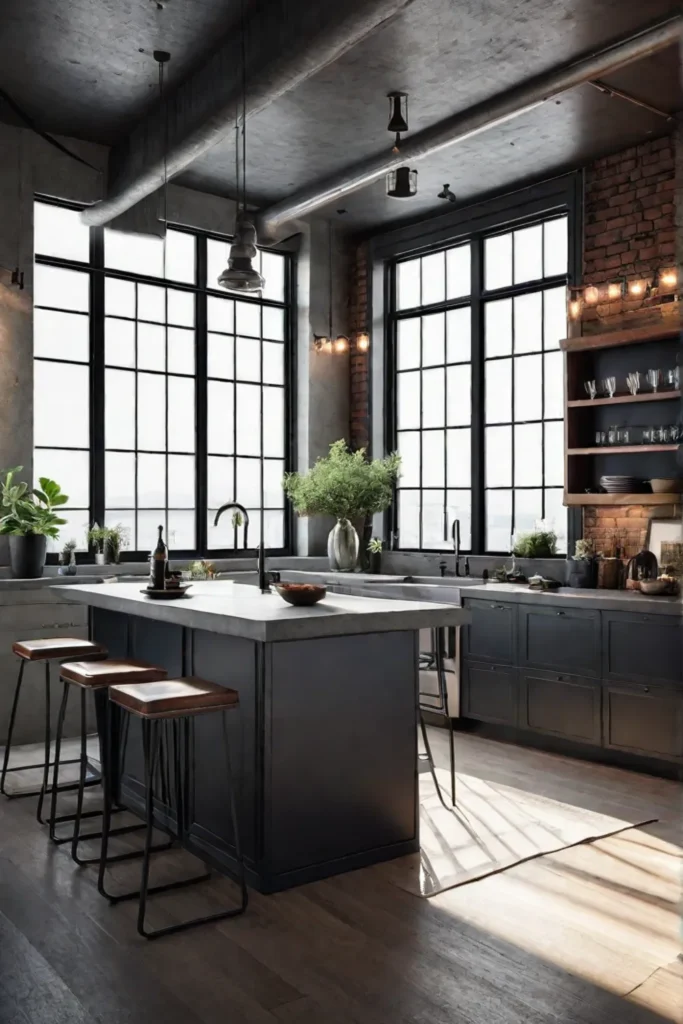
x,y
243,611
602,600
324,743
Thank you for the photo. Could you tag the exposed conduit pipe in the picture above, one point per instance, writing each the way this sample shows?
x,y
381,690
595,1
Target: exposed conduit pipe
x,y
480,118
351,24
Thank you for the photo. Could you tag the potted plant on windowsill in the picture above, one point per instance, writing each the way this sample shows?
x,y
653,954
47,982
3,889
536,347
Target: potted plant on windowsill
x,y
344,484
67,559
117,538
29,518
97,536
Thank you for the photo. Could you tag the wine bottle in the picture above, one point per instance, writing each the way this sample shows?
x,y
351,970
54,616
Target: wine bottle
x,y
159,561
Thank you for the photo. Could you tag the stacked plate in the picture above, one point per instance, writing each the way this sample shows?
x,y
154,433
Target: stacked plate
x,y
621,485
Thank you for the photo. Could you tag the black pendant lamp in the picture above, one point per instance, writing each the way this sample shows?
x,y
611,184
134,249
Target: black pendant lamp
x,y
240,275
402,183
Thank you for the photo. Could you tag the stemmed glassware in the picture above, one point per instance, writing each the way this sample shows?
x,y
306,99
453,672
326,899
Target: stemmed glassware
x,y
633,383
654,379
673,378
591,389
610,385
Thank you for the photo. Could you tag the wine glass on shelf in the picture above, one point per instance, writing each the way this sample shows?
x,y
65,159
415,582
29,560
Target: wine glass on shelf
x,y
633,383
654,379
591,388
610,385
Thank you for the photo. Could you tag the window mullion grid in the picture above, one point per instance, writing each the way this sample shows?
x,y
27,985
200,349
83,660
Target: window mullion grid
x,y
421,493
97,378
135,435
201,400
478,413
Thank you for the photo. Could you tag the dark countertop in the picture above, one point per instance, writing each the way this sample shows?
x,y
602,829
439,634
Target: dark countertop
x,y
571,597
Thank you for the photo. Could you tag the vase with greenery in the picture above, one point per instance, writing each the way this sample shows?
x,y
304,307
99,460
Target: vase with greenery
x,y
29,518
67,559
117,538
97,536
583,567
348,486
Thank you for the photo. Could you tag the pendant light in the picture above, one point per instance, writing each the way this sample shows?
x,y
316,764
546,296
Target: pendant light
x,y
339,344
240,275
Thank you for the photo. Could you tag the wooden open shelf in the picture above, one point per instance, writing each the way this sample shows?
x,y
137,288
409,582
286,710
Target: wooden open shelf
x,y
623,499
626,399
615,339
622,449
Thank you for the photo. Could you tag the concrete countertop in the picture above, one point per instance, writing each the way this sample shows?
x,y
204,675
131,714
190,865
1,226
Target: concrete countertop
x,y
571,597
236,610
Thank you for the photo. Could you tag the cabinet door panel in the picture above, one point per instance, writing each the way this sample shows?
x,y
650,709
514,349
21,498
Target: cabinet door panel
x,y
490,636
644,720
562,706
643,648
489,693
559,638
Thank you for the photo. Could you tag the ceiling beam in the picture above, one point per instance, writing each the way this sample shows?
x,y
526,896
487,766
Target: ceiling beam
x,y
496,110
287,42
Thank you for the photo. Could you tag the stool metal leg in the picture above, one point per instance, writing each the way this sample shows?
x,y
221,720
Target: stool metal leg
x,y
54,818
124,830
12,719
46,770
151,745
430,758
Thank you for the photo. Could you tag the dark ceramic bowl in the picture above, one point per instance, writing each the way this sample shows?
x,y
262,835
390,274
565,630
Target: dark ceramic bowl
x,y
301,594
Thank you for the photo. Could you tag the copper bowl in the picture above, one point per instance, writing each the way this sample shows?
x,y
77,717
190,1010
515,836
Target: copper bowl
x,y
301,594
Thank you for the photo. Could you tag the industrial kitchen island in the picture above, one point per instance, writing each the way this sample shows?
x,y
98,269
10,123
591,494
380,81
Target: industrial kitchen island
x,y
324,746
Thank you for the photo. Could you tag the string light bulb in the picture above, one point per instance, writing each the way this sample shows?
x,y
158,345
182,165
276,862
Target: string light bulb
x,y
363,341
614,291
669,278
591,295
341,343
636,287
575,307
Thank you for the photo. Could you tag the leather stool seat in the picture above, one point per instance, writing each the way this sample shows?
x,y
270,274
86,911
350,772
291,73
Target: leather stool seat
x,y
57,647
97,674
173,698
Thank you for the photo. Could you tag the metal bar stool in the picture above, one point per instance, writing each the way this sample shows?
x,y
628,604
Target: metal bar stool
x,y
46,651
155,704
434,661
93,676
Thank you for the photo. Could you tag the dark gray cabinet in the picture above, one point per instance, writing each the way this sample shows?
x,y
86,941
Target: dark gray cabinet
x,y
642,648
562,705
489,693
566,639
644,719
490,635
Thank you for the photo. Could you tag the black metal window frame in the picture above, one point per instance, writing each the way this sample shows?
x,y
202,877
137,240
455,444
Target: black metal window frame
x,y
98,274
490,218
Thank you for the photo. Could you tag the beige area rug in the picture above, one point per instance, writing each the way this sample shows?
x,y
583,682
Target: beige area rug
x,y
494,827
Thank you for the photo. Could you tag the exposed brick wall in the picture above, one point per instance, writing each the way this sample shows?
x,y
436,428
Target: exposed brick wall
x,y
360,361
630,232
622,525
630,229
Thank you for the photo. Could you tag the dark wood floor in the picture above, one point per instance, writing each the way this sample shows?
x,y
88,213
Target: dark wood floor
x,y
587,936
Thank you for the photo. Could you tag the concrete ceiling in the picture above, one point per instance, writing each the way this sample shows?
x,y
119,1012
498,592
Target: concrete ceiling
x,y
76,68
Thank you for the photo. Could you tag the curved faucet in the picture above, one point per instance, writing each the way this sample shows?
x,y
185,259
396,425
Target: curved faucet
x,y
245,516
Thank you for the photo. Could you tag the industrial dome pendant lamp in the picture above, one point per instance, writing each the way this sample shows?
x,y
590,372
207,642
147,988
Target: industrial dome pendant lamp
x,y
240,275
401,183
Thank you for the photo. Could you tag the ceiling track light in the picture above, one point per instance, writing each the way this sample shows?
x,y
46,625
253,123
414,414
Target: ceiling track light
x,y
446,193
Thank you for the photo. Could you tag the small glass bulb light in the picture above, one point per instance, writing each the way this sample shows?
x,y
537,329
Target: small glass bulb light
x,y
614,291
363,341
669,278
575,307
341,343
636,288
320,342
591,295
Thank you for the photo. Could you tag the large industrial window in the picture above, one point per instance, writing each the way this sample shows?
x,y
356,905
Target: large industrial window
x,y
479,388
155,400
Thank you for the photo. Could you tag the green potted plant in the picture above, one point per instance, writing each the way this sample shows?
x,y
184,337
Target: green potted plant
x,y
117,538
97,536
29,518
375,552
344,484
67,559
539,543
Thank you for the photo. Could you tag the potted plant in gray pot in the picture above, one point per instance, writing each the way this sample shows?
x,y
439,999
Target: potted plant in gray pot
x,y
28,517
344,484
